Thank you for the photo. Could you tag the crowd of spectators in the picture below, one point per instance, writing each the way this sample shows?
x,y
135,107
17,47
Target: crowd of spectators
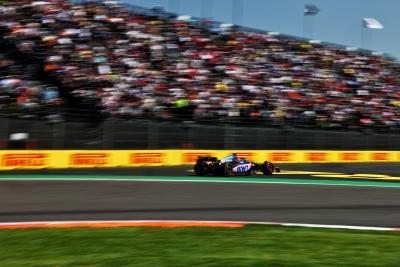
x,y
22,96
130,65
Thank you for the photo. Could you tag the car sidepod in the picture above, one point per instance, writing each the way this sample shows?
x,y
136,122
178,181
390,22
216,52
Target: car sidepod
x,y
242,168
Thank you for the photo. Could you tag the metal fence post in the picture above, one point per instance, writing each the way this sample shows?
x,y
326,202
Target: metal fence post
x,y
104,140
4,130
259,142
58,137
54,137
153,135
229,134
189,136
108,134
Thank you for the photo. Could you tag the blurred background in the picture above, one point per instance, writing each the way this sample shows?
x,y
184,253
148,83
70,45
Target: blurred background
x,y
229,74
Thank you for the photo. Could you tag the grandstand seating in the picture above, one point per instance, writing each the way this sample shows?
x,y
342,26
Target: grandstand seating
x,y
131,65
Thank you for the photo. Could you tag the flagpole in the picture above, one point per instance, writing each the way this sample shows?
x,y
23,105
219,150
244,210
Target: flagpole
x,y
206,9
312,26
308,27
308,23
366,38
362,40
204,13
369,24
169,9
237,12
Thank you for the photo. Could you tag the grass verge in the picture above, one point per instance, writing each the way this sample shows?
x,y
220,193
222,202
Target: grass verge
x,y
198,246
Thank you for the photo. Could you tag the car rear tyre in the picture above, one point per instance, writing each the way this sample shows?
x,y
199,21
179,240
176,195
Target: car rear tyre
x,y
268,168
201,169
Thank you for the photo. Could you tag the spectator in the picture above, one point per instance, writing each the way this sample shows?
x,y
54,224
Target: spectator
x,y
138,66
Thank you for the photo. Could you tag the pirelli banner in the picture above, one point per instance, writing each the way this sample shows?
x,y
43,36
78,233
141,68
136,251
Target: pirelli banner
x,y
41,159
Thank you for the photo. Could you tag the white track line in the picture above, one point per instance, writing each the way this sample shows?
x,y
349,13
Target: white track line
x,y
325,226
196,181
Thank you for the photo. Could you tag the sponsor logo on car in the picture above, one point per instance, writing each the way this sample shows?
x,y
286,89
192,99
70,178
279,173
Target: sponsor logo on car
x,y
242,168
24,160
147,158
89,159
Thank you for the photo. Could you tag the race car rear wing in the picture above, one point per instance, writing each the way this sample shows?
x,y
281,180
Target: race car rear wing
x,y
207,159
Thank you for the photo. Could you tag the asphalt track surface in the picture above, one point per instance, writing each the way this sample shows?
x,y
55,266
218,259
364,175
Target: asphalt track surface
x,y
23,201
378,168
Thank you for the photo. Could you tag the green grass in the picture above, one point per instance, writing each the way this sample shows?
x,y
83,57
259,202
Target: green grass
x,y
195,246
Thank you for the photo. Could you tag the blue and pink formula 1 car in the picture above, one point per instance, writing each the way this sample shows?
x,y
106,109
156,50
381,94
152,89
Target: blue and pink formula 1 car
x,y
232,166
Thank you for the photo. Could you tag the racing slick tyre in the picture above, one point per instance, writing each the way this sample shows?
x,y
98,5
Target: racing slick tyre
x,y
268,168
228,169
201,169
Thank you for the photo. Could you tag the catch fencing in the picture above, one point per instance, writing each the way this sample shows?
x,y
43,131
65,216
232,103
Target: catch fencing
x,y
114,134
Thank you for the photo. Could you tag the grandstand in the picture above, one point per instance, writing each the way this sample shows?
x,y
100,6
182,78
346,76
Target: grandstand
x,y
129,63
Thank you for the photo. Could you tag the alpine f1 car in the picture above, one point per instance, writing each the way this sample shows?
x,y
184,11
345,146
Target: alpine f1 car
x,y
231,166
